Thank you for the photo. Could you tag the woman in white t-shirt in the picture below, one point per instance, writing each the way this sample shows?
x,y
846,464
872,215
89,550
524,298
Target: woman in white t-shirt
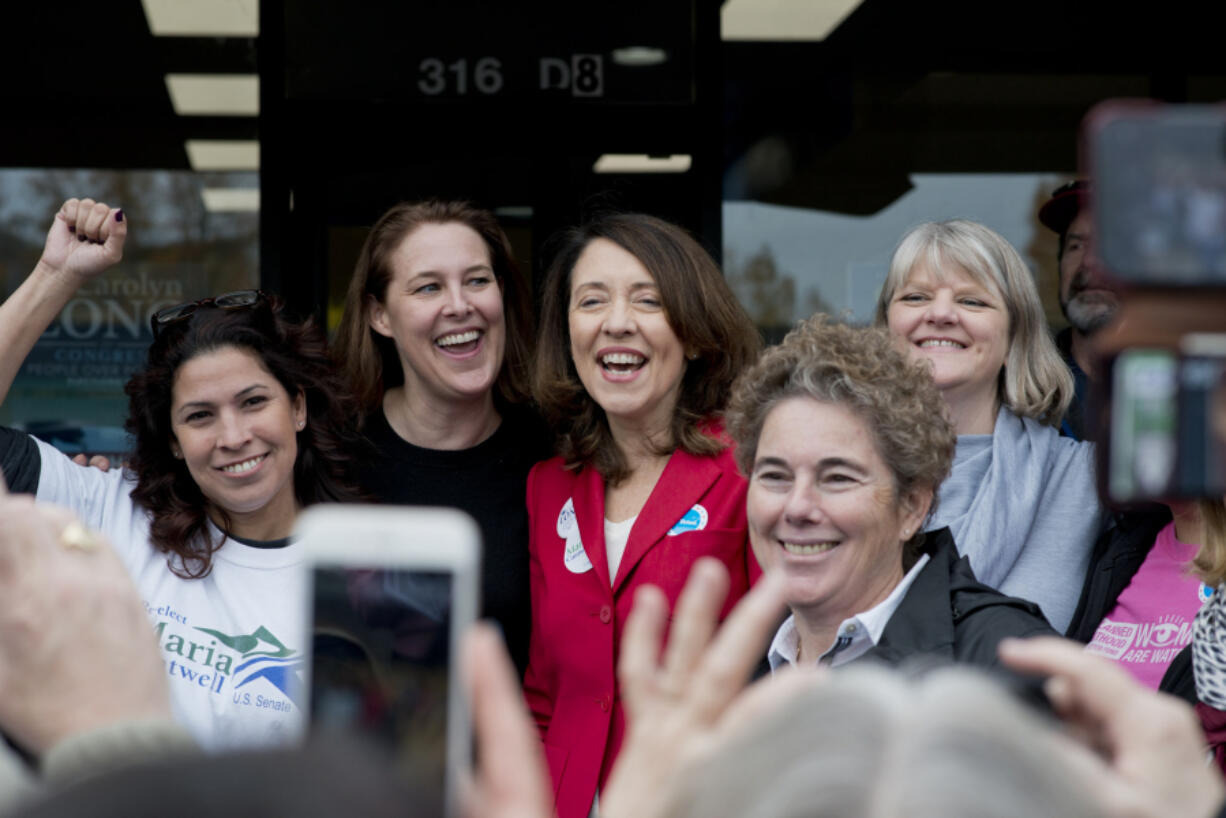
x,y
238,421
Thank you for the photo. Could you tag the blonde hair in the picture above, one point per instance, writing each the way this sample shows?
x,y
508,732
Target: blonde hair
x,y
1210,561
1036,383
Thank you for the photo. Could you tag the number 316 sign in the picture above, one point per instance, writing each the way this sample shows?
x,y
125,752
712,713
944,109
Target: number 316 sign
x,y
582,75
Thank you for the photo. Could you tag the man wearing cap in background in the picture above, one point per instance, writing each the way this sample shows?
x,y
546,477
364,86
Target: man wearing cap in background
x,y
1087,297
1134,584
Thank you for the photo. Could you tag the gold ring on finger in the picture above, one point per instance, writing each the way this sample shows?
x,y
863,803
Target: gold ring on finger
x,y
76,535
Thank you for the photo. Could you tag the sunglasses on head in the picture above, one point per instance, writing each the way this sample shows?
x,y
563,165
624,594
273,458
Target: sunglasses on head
x,y
237,300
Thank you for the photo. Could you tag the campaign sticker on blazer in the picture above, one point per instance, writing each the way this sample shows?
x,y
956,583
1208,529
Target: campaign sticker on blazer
x,y
1203,593
567,524
573,556
693,520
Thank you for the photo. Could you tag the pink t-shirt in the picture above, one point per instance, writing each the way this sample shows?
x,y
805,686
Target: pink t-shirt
x,y
1152,619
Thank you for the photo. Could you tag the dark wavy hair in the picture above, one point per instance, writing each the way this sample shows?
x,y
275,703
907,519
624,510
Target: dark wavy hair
x,y
370,359
296,355
715,331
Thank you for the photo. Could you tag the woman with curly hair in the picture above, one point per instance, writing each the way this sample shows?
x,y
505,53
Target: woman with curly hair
x,y
844,453
238,422
640,341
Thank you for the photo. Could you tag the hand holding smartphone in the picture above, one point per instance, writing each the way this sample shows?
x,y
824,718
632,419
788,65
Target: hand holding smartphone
x,y
1159,208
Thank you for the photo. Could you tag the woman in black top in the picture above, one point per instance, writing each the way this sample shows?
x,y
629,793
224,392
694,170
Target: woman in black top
x,y
436,339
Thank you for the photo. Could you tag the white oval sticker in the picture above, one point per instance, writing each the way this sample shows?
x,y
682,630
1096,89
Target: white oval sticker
x,y
567,524
693,520
573,556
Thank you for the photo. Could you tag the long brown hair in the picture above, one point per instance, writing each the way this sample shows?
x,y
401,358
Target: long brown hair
x,y
369,359
711,324
296,355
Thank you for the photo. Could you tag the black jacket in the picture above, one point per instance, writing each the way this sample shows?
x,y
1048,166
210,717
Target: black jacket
x,y
1122,546
949,615
1081,420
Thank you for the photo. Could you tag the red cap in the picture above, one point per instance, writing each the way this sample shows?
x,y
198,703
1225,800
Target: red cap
x,y
1065,202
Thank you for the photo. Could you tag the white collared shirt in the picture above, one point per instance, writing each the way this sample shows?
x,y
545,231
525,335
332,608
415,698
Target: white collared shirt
x,y
856,635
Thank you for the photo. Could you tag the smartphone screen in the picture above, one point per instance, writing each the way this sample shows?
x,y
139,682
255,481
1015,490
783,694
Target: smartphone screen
x,y
380,660
1166,409
1202,448
1144,412
391,590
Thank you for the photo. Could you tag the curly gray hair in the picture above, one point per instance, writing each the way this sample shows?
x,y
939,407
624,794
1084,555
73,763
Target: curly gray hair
x,y
859,368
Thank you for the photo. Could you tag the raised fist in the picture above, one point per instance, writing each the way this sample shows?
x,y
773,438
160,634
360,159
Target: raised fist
x,y
85,239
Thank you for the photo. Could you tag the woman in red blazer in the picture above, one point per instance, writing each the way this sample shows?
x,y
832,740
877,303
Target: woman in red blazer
x,y
640,342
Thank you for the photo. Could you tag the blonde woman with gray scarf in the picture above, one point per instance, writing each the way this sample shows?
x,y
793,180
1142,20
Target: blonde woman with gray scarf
x,y
1021,499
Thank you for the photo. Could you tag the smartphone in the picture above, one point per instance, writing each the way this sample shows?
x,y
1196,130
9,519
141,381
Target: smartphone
x,y
1166,438
1159,195
390,591
1143,415
1202,415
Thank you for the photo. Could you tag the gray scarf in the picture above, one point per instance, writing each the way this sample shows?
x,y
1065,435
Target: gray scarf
x,y
1026,511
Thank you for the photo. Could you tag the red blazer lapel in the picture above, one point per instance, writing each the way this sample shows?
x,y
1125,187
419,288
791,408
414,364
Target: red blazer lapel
x,y
589,513
685,480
